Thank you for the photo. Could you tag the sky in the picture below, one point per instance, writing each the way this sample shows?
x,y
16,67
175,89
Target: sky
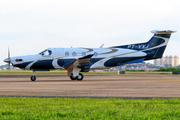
x,y
30,26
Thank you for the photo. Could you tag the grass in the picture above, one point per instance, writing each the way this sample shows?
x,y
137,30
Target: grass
x,y
93,109
65,73
51,72
144,73
30,72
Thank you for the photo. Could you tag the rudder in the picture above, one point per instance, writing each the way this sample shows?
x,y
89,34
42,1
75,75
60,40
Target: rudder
x,y
157,44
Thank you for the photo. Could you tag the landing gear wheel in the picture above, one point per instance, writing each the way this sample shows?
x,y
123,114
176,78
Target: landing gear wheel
x,y
33,78
72,77
80,77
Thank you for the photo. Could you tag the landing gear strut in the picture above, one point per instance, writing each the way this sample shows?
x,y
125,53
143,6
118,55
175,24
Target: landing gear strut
x,y
33,78
79,77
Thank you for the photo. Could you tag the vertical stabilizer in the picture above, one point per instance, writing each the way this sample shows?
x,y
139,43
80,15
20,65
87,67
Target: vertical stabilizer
x,y
157,44
155,47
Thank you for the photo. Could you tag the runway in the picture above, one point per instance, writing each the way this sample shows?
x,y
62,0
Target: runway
x,y
102,86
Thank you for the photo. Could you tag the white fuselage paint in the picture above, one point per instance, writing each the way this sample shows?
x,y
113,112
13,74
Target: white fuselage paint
x,y
59,53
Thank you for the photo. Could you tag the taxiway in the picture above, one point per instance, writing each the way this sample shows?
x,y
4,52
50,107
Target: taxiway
x,y
92,85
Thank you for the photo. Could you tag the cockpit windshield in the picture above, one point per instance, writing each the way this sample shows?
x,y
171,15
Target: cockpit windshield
x,y
46,52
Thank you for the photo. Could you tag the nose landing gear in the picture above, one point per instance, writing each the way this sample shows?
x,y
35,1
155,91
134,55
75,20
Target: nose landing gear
x,y
33,78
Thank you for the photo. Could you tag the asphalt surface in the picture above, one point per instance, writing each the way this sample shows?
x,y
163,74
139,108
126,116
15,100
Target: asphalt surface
x,y
93,86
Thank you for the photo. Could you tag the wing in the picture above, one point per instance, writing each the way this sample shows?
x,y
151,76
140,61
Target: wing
x,y
80,64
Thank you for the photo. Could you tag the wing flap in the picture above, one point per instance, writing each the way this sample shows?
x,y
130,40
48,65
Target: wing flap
x,y
79,64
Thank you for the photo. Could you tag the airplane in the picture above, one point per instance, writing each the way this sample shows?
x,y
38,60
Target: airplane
x,y
76,60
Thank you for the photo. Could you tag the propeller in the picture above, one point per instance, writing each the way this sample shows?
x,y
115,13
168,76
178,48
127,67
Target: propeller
x,y
8,60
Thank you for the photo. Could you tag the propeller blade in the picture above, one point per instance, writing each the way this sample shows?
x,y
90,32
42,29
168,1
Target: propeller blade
x,y
9,65
9,58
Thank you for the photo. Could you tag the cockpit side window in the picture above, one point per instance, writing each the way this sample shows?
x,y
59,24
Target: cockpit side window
x,y
46,53
42,52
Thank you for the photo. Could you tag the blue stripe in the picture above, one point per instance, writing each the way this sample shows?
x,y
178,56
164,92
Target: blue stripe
x,y
133,61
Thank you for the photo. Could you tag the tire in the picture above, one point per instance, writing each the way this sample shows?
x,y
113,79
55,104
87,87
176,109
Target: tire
x,y
33,78
80,77
72,77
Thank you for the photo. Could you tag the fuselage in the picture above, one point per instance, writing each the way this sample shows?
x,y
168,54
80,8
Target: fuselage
x,y
57,58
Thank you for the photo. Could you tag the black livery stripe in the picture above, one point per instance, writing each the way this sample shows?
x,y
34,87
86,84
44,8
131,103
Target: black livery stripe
x,y
22,65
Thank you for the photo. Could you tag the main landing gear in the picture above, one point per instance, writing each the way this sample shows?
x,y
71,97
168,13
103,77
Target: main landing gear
x,y
79,77
33,78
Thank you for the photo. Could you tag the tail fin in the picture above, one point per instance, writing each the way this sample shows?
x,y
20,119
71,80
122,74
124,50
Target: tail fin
x,y
155,47
157,44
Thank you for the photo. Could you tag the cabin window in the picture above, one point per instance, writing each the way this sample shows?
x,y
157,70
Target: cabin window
x,y
66,54
95,54
18,60
83,54
73,54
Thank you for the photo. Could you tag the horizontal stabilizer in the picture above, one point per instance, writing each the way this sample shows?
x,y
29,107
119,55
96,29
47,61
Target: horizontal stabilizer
x,y
162,32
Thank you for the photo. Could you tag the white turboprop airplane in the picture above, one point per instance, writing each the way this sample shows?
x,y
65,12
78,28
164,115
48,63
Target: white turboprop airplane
x,y
76,60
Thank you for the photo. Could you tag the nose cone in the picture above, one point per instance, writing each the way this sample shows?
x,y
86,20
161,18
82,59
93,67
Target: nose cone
x,y
7,60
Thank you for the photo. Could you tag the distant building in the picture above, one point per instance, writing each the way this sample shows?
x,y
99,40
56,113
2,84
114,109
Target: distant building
x,y
170,60
176,61
166,61
162,61
157,62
